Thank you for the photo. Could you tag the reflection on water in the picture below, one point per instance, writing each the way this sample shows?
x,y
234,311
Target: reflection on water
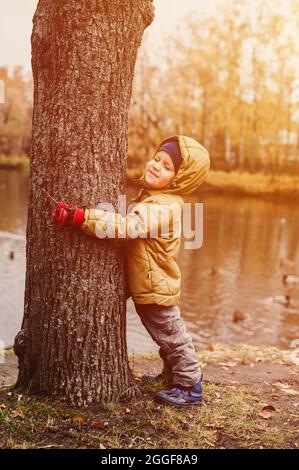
x,y
230,286
13,216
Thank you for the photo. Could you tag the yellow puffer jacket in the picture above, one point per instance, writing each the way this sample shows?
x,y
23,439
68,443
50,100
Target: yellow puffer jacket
x,y
152,228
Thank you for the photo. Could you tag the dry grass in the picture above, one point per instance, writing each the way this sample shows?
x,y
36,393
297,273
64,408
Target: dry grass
x,y
229,418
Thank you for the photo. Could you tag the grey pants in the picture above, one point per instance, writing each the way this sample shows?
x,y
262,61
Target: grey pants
x,y
166,328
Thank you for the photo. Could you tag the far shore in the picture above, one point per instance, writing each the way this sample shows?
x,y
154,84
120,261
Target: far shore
x,y
254,184
235,182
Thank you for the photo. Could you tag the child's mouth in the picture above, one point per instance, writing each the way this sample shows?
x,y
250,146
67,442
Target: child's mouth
x,y
153,174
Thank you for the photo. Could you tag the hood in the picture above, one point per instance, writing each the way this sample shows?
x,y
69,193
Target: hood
x,y
192,171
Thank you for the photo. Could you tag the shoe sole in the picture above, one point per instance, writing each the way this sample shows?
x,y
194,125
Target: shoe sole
x,y
177,405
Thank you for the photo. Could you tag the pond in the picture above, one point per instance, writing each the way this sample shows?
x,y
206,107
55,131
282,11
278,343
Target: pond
x,y
232,287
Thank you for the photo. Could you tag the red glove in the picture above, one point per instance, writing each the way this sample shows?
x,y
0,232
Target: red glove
x,y
67,216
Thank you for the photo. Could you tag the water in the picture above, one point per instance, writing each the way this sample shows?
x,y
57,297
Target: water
x,y
229,286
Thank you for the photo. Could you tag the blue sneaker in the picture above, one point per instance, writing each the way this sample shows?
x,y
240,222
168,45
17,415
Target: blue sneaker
x,y
182,397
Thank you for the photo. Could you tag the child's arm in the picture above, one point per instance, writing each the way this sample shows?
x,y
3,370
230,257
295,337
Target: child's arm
x,y
145,220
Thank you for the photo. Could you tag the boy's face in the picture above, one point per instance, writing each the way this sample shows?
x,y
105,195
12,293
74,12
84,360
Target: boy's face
x,y
159,171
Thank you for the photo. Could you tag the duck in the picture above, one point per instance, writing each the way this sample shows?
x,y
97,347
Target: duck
x,y
282,299
238,316
288,279
214,271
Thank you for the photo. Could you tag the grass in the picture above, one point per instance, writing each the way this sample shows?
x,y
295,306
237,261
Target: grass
x,y
245,354
227,419
230,416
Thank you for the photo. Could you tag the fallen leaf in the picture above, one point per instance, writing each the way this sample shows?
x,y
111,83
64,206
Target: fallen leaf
x,y
286,388
228,364
79,420
267,412
17,414
269,408
50,421
127,410
52,428
281,385
2,406
96,423
49,446
291,391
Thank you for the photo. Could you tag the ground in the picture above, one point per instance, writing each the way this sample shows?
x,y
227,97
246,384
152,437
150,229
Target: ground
x,y
251,400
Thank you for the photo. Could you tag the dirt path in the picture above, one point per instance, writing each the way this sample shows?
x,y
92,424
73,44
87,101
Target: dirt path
x,y
275,383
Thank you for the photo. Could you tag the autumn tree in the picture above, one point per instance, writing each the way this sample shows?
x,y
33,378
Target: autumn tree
x,y
229,78
145,117
72,342
15,112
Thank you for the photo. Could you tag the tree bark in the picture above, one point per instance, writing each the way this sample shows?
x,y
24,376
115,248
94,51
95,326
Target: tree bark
x,y
72,342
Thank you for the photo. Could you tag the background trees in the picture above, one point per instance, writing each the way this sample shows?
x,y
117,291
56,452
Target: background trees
x,y
15,113
229,78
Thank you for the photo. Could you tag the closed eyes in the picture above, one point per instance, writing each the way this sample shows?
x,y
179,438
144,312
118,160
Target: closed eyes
x,y
166,166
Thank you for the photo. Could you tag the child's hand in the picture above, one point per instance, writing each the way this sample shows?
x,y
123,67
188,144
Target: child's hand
x,y
67,216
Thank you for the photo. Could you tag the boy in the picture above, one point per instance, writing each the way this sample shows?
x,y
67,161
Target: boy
x,y
153,236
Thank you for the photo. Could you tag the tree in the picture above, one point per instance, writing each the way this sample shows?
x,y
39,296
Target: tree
x,y
72,342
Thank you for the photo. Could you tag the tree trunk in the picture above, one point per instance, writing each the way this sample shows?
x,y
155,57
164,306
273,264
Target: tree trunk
x,y
72,342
